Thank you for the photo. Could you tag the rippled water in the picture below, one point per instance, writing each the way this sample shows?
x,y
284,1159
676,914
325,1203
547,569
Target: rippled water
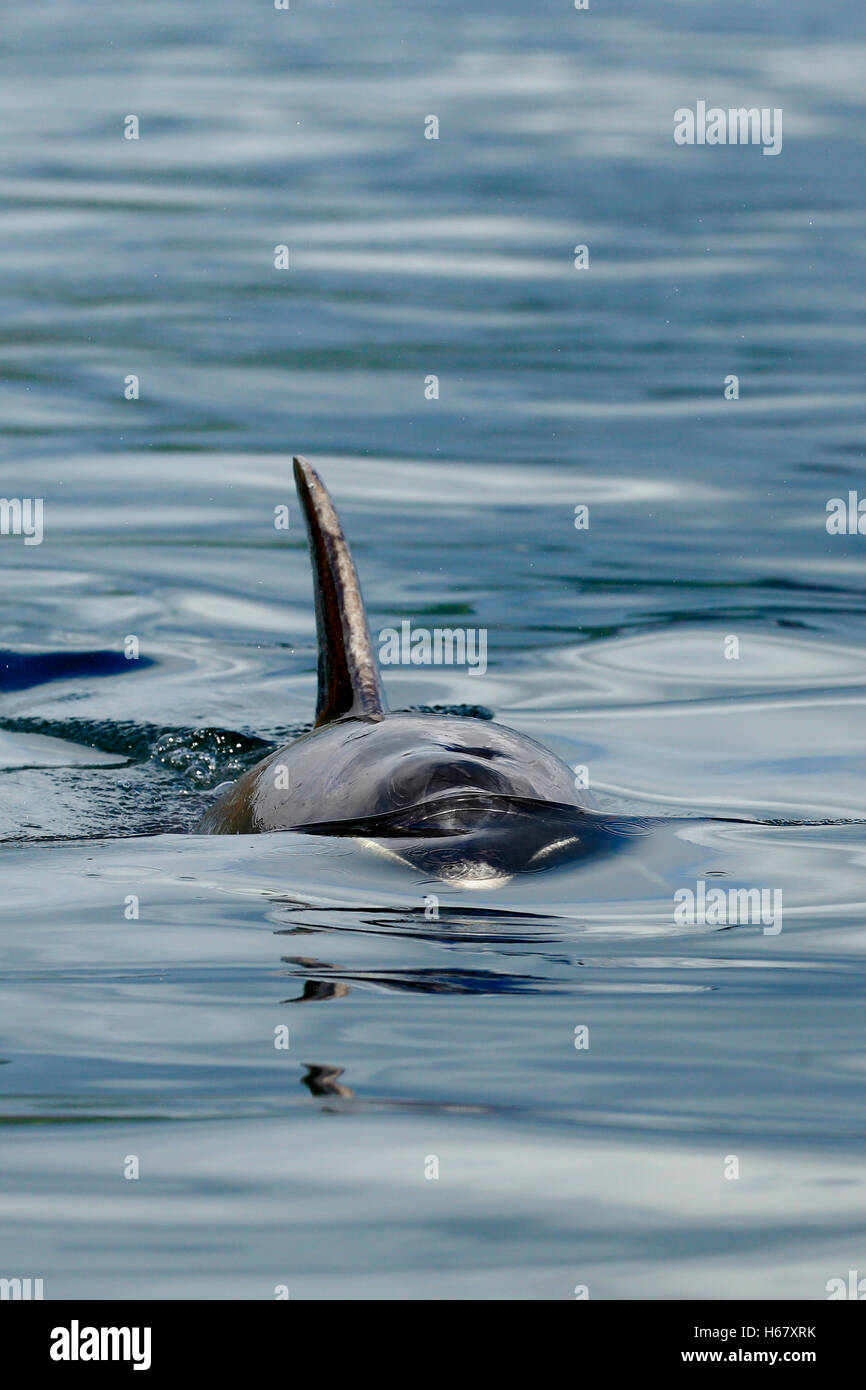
x,y
412,1038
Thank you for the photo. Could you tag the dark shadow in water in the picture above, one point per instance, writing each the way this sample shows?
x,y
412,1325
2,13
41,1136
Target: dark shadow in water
x,y
138,742
323,1081
22,670
325,981
481,925
315,989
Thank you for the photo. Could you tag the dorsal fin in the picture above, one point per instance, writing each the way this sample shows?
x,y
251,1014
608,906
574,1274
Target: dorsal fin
x,y
349,680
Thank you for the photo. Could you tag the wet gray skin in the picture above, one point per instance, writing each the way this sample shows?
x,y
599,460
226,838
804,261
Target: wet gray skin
x,y
463,799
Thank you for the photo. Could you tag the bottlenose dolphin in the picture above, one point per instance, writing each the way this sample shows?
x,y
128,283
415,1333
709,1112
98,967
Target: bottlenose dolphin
x,y
467,800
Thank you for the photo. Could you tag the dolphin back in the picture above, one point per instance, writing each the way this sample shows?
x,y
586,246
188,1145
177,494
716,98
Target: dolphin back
x,y
349,680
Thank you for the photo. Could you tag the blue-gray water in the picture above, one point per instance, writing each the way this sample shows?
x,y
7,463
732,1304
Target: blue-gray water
x,y
410,1039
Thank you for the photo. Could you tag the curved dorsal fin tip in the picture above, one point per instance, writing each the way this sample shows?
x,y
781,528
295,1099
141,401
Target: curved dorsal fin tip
x,y
349,680
303,470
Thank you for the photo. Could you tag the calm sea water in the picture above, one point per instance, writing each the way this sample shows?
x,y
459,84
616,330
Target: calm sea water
x,y
152,1036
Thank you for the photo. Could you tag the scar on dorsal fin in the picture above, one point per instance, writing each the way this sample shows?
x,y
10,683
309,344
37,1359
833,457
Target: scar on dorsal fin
x,y
349,680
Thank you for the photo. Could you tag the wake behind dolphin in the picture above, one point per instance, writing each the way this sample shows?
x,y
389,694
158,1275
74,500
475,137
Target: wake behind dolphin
x,y
464,799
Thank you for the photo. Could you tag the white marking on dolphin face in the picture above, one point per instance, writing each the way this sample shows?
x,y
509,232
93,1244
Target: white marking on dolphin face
x,y
553,847
380,849
462,873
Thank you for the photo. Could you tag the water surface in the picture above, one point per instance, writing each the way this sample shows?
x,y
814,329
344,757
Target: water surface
x,y
410,1037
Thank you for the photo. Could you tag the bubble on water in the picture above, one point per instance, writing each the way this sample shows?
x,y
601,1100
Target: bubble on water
x,y
203,757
